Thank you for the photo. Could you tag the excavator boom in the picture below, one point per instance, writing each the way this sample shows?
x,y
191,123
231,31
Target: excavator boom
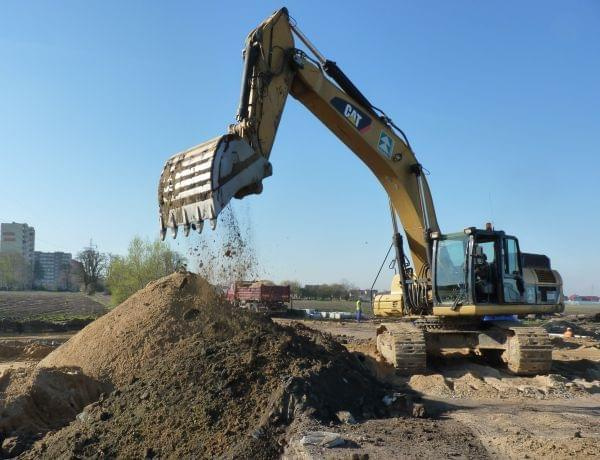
x,y
198,183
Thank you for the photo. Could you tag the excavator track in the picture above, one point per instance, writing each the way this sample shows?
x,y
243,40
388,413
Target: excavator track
x,y
528,351
403,346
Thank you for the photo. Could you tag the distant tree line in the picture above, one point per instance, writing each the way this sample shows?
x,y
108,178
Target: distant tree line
x,y
95,271
335,291
121,276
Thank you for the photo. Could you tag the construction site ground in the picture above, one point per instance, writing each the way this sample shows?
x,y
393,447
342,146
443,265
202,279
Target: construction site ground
x,y
172,373
554,416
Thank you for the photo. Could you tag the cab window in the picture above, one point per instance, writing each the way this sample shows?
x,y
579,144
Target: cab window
x,y
450,275
511,257
485,269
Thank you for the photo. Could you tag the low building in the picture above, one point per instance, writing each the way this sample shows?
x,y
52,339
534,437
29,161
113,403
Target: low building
x,y
53,271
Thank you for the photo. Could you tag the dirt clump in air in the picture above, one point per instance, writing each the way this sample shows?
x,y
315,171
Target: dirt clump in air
x,y
227,256
194,377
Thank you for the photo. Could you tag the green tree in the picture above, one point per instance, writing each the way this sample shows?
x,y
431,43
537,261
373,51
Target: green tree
x,y
15,272
145,261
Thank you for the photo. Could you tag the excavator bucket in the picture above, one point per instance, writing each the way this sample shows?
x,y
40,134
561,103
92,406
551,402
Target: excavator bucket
x,y
197,184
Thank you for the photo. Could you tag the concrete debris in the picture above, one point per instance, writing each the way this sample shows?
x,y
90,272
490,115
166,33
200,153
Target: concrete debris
x,y
323,439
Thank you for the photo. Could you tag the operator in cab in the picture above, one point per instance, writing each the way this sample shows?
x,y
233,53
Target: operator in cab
x,y
484,276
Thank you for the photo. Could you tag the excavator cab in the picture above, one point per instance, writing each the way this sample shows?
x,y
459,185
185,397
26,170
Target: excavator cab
x,y
481,271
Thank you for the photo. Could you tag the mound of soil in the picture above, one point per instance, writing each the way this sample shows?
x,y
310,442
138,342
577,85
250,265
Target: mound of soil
x,y
45,399
194,377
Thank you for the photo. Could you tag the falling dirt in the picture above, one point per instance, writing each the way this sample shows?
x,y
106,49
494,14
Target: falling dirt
x,y
227,256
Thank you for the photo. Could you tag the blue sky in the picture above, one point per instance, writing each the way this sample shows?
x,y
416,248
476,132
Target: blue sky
x,y
501,102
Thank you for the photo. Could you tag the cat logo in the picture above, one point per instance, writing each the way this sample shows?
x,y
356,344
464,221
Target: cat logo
x,y
353,114
385,144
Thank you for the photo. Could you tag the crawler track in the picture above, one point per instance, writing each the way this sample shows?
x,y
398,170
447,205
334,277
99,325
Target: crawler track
x,y
403,345
528,351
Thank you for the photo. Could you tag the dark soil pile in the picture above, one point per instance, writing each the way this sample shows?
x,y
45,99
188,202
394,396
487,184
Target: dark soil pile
x,y
194,377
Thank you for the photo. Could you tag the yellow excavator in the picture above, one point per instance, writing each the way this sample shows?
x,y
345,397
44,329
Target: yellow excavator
x,y
463,290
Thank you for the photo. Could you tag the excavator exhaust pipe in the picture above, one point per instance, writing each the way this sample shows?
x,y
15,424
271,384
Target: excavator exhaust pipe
x,y
197,184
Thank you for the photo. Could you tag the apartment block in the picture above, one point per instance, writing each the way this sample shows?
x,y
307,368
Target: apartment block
x,y
18,238
53,271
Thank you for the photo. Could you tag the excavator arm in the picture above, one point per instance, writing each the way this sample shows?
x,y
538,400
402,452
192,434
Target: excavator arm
x,y
196,184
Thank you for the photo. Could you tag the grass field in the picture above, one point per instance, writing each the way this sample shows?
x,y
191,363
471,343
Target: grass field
x,y
49,306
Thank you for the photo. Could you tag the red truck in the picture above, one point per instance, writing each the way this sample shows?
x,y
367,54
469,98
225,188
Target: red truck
x,y
258,296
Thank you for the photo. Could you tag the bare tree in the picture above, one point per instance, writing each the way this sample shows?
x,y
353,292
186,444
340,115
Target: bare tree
x,y
92,266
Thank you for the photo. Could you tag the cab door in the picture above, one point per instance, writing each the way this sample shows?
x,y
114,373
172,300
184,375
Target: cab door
x,y
512,273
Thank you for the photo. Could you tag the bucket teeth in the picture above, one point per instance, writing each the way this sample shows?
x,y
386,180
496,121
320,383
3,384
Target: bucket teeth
x,y
186,224
163,229
197,184
173,225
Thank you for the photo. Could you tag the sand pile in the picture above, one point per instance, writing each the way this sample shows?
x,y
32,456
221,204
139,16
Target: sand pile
x,y
32,403
194,377
134,336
